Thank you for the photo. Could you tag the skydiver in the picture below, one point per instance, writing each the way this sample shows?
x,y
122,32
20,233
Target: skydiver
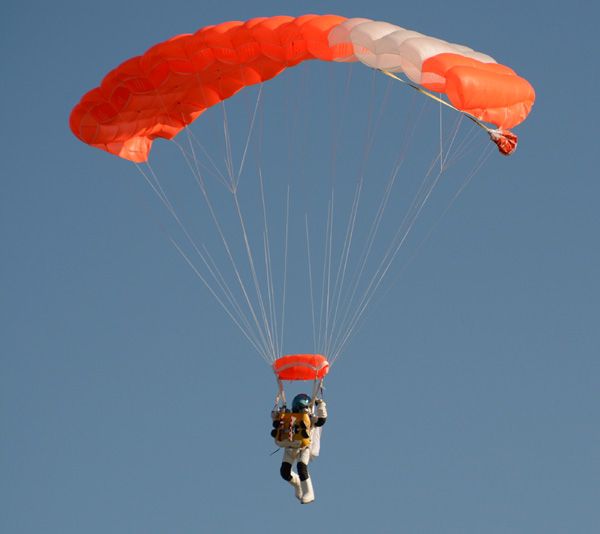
x,y
297,432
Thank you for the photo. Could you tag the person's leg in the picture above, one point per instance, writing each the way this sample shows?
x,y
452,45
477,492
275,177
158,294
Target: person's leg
x,y
305,481
288,475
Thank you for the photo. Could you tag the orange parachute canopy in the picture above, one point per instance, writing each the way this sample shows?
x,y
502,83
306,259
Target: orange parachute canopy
x,y
301,367
171,84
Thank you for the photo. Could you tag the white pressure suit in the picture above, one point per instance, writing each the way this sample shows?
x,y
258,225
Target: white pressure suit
x,y
294,432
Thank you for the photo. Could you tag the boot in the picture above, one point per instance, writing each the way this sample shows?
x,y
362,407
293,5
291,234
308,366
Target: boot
x,y
307,491
296,484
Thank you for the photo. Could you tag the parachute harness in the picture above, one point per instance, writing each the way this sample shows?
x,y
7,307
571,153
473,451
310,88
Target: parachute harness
x,y
280,402
505,140
316,392
280,398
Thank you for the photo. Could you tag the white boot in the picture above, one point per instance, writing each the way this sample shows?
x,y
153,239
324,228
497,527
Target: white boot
x,y
295,483
307,491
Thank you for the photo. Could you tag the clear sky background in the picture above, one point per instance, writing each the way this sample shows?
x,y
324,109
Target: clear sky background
x,y
467,403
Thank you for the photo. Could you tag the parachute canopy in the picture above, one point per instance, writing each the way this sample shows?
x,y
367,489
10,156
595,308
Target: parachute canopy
x,y
301,367
160,92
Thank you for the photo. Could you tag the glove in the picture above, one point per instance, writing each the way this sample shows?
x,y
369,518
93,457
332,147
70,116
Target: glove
x,y
321,410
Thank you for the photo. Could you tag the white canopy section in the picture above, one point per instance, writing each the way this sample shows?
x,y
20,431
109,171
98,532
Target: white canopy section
x,y
385,46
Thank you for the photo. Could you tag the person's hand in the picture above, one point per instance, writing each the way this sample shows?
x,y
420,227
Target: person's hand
x,y
321,410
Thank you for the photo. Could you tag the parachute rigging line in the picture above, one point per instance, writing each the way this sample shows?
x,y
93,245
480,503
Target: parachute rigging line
x,y
161,92
505,140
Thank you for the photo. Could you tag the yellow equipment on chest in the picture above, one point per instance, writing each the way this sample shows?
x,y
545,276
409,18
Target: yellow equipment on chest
x,y
293,430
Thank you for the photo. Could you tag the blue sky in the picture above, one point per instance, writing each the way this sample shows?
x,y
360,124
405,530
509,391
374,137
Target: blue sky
x,y
468,401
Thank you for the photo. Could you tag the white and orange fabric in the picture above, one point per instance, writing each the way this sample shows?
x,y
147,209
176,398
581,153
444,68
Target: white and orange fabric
x,y
160,92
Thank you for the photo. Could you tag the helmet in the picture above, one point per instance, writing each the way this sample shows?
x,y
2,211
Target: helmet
x,y
300,403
